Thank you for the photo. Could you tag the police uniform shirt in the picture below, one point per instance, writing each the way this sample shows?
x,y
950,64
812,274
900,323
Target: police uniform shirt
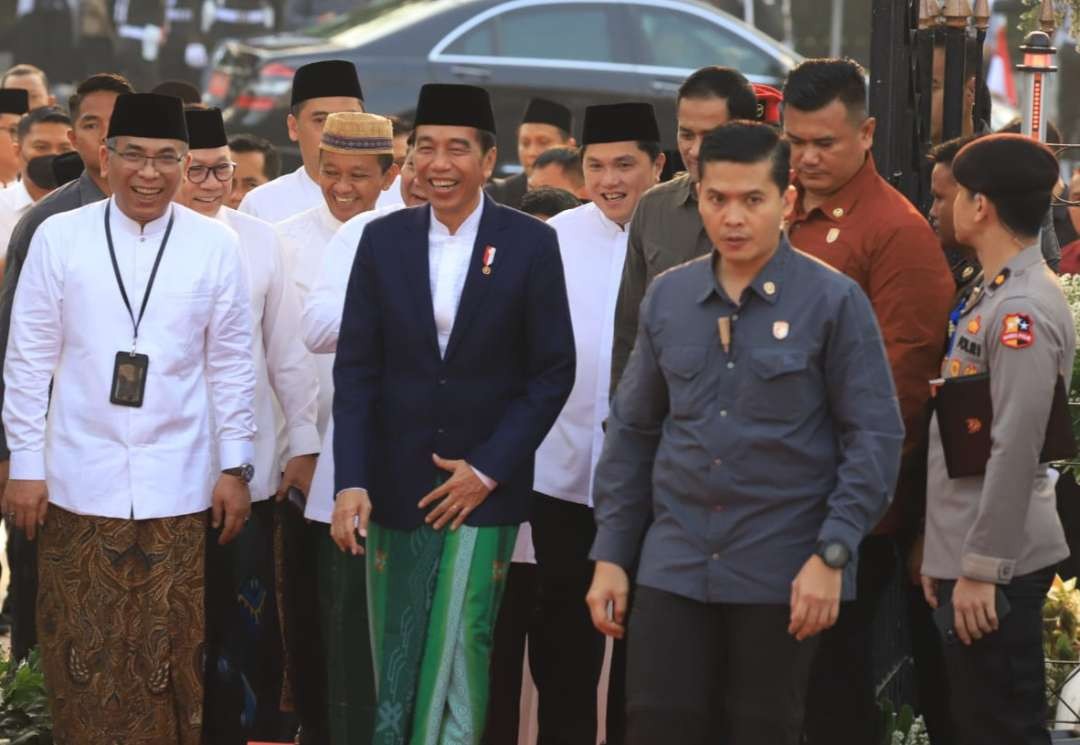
x,y
67,326
324,300
286,377
296,192
1018,328
593,251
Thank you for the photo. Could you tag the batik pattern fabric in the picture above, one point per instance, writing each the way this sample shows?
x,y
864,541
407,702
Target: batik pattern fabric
x,y
245,655
121,625
433,599
350,672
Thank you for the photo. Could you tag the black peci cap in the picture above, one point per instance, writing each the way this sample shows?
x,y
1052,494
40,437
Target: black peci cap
x,y
206,129
620,122
455,106
335,77
543,111
1006,164
148,115
14,101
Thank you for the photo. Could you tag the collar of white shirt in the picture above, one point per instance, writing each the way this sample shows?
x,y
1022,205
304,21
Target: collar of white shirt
x,y
610,227
326,217
19,197
121,223
470,227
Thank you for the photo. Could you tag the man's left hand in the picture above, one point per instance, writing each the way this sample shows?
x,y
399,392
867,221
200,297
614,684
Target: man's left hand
x,y
462,493
299,472
975,609
815,598
230,507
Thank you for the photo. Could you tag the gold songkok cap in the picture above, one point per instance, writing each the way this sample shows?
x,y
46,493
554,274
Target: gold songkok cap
x,y
354,133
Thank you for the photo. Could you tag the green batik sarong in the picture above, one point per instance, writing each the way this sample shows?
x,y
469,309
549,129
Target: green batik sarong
x,y
350,689
433,598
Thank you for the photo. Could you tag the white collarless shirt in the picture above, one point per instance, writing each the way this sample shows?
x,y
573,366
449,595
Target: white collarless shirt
x,y
321,322
593,250
15,201
286,400
69,322
304,238
448,265
296,192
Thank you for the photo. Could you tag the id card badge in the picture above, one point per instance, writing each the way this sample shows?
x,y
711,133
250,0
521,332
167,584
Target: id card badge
x,y
129,379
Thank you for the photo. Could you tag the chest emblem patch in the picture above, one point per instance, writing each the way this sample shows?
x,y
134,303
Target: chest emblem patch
x,y
832,235
954,368
971,370
1018,331
973,425
974,324
780,329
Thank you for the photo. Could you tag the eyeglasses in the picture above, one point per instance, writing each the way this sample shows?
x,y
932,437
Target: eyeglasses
x,y
164,163
223,172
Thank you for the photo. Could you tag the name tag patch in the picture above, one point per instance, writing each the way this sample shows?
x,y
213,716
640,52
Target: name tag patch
x,y
1018,331
970,346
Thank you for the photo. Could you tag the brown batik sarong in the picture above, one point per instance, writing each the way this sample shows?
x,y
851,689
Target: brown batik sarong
x,y
121,626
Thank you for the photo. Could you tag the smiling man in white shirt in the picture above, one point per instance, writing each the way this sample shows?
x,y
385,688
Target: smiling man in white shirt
x,y
322,277
622,160
319,90
136,313
245,658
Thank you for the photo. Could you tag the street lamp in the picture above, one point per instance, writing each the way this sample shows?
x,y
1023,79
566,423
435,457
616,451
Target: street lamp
x,y
1035,72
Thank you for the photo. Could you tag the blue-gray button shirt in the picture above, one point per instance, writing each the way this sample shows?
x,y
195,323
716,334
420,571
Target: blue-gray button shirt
x,y
747,457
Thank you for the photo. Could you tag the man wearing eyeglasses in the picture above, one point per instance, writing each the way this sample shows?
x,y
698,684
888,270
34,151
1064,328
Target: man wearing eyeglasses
x,y
245,659
132,328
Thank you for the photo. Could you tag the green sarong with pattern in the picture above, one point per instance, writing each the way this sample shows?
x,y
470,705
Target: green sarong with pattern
x,y
433,597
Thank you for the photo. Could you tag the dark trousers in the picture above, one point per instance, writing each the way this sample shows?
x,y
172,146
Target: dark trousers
x,y
931,684
516,616
142,73
841,707
23,590
566,652
997,685
244,656
304,647
701,673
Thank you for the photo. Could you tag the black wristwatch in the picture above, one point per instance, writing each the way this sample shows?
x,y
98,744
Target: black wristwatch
x,y
245,472
835,554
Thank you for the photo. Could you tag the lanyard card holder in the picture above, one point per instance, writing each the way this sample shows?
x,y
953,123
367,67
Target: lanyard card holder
x,y
129,379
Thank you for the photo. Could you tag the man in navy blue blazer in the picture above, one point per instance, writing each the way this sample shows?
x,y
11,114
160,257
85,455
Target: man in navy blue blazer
x,y
455,356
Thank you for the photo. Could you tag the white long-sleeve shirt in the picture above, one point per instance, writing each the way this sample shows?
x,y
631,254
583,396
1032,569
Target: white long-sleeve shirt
x,y
296,192
321,322
15,201
286,392
593,251
68,323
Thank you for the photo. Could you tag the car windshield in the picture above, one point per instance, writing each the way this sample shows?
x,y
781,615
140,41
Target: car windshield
x,y
375,19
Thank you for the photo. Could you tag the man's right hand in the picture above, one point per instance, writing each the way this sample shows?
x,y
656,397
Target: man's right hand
x,y
352,509
607,599
24,505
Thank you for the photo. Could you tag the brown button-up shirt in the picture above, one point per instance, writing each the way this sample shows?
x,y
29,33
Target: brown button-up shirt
x,y
870,231
666,231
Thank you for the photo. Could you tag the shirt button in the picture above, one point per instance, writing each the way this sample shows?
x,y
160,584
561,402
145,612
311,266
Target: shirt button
x,y
717,462
734,316
723,412
730,365
442,381
716,557
441,431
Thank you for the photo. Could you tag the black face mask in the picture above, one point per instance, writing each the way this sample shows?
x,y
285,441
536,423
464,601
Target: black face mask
x,y
39,171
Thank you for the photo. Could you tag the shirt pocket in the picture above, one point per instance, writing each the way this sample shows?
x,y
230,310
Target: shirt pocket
x,y
683,366
777,386
188,315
